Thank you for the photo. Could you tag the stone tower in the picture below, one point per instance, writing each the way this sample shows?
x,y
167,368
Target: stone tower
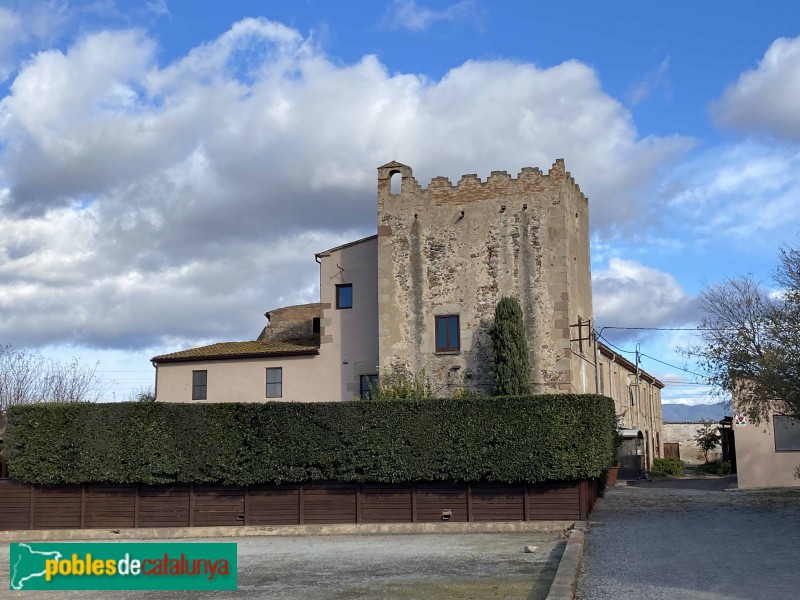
x,y
447,254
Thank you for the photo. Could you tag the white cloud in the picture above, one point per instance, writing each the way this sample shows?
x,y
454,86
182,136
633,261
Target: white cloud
x,y
629,294
649,83
10,32
407,14
143,202
35,21
764,99
158,7
746,191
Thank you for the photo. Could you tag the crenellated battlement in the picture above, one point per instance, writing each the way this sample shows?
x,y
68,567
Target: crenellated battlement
x,y
498,181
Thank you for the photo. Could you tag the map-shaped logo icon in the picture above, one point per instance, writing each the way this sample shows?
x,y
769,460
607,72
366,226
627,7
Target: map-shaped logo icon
x,y
27,563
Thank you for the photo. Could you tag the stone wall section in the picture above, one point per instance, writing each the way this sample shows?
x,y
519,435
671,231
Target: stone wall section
x,y
457,249
292,323
683,434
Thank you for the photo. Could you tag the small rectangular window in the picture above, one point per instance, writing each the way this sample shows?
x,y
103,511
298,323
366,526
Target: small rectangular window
x,y
369,385
315,325
787,433
275,382
199,385
344,295
447,334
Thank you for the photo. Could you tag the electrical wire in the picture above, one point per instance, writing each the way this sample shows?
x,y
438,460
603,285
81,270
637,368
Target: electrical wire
x,y
673,366
674,328
658,360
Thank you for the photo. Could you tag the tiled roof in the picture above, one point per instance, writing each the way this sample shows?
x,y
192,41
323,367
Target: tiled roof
x,y
241,350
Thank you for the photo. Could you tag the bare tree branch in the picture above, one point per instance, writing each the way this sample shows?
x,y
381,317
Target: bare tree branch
x,y
750,346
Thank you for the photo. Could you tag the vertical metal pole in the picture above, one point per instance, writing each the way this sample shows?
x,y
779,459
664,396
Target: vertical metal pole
x,y
596,363
638,375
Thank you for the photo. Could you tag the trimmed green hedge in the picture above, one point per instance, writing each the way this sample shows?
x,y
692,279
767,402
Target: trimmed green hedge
x,y
506,439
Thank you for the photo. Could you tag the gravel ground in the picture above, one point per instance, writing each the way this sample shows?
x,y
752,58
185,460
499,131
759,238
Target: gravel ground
x,y
672,540
488,565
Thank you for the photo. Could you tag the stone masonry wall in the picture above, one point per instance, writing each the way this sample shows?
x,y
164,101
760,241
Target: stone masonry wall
x,y
449,249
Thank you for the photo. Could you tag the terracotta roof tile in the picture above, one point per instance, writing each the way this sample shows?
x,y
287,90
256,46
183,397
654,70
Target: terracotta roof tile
x,y
241,350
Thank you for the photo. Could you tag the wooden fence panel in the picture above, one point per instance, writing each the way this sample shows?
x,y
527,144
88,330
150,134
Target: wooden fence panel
x,y
433,498
498,503
15,505
218,505
274,505
57,507
23,506
164,506
554,502
385,503
329,503
110,506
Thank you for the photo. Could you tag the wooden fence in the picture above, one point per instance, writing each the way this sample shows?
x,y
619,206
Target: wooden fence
x,y
26,506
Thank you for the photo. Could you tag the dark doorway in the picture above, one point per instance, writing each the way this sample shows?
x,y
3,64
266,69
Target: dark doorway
x,y
631,457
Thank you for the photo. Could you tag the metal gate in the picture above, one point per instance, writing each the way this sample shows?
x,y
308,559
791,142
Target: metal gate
x,y
631,458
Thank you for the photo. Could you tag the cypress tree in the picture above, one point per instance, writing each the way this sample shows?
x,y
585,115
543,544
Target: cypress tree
x,y
510,368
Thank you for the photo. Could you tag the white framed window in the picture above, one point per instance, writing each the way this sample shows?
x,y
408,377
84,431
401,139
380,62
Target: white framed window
x,y
275,382
199,385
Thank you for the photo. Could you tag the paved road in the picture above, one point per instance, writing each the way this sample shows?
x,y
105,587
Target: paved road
x,y
489,565
689,539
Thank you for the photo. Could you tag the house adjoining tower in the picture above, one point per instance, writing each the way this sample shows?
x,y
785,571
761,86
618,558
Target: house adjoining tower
x,y
421,296
448,253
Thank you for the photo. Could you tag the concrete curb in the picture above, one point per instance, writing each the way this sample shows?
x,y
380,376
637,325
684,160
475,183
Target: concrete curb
x,y
167,533
566,579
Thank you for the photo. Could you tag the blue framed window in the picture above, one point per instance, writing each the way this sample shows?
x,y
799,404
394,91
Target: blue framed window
x,y
447,335
344,295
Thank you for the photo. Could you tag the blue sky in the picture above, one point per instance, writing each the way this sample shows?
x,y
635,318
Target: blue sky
x,y
168,169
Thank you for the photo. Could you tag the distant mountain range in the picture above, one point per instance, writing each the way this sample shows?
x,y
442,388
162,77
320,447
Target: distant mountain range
x,y
684,413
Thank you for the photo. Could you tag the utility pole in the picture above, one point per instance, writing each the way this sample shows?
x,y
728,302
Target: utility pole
x,y
638,375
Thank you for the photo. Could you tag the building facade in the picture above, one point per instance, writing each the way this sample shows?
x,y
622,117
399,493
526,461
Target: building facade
x,y
448,253
312,352
767,453
420,297
637,402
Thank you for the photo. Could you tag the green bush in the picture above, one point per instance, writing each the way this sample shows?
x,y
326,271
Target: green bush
x,y
510,368
399,385
724,468
663,467
503,439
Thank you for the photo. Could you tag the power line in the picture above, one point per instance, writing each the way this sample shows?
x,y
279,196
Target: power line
x,y
673,366
673,328
614,345
650,357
